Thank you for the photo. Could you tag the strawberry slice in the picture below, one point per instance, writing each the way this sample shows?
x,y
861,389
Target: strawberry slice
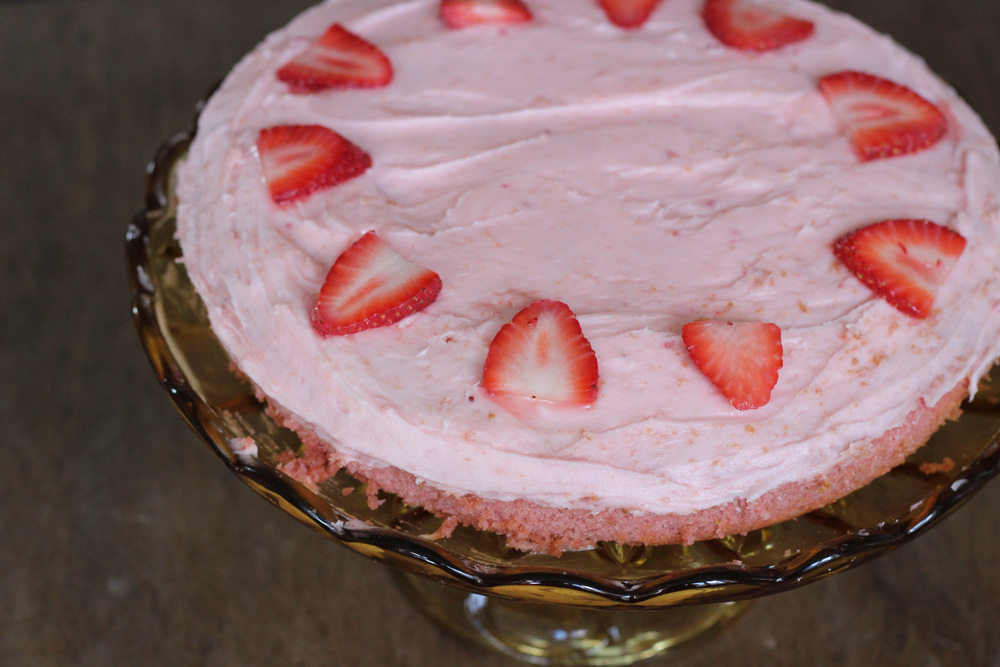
x,y
338,59
300,159
883,118
464,13
740,358
628,14
746,25
902,261
542,354
369,286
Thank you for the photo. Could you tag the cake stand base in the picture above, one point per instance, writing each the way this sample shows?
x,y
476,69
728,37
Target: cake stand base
x,y
553,634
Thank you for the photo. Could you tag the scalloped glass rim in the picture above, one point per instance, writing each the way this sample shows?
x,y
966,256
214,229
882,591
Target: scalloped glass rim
x,y
191,365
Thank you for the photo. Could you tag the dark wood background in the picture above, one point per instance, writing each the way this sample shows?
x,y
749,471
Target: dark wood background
x,y
124,541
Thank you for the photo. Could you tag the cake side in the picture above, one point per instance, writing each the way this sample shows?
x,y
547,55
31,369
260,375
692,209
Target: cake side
x,y
646,178
553,530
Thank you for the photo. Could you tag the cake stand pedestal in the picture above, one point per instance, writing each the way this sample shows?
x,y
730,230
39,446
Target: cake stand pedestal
x,y
552,634
610,605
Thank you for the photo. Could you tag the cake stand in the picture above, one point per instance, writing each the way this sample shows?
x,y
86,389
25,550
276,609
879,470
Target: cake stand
x,y
610,605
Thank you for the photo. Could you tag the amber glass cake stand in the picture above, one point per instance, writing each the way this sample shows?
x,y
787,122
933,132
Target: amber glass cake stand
x,y
610,605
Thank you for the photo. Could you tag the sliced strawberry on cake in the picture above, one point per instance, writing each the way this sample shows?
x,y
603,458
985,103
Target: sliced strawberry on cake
x,y
883,118
902,261
541,354
465,13
370,285
741,359
338,59
744,24
300,159
629,14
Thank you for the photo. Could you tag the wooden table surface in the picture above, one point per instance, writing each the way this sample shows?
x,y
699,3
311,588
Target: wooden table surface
x,y
123,541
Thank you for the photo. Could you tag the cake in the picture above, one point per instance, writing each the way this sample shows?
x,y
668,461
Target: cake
x,y
577,271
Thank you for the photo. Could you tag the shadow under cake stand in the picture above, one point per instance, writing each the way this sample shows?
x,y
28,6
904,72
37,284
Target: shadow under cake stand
x,y
610,605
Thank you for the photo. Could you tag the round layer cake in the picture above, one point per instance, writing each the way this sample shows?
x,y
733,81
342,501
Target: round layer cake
x,y
645,186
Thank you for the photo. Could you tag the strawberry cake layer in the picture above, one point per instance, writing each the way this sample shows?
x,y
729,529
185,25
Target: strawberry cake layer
x,y
643,179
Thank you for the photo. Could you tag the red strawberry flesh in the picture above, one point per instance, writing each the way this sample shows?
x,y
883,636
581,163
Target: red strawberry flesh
x,y
741,359
464,13
370,285
629,14
338,59
883,119
300,159
746,25
541,354
902,261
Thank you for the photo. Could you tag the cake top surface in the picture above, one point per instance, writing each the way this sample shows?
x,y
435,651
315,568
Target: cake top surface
x,y
647,178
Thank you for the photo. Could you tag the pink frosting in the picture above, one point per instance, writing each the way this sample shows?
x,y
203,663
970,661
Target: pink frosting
x,y
646,178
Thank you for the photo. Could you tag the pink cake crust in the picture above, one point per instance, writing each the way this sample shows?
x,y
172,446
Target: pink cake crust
x,y
551,530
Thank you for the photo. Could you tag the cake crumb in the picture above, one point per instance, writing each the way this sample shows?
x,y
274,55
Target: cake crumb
x,y
445,530
374,502
931,468
245,447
